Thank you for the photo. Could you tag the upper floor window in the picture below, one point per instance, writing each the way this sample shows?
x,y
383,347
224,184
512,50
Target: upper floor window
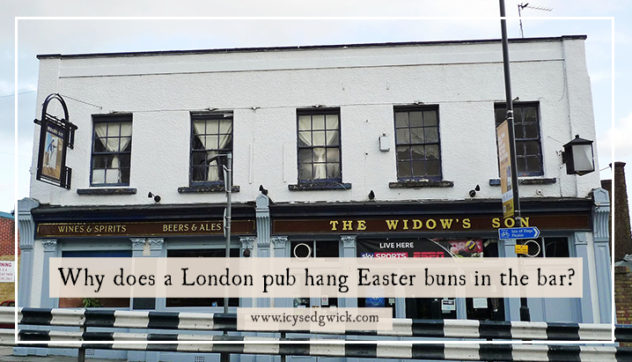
x,y
527,131
417,140
319,145
111,149
211,140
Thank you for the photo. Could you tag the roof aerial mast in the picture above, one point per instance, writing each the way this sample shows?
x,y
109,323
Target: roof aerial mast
x,y
527,6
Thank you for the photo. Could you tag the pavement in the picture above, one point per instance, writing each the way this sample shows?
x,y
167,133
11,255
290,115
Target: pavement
x,y
6,355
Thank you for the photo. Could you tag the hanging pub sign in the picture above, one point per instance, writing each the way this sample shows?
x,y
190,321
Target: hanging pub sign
x,y
56,136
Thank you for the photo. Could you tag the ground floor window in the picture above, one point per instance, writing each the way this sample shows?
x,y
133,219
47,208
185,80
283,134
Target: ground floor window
x,y
394,248
377,302
95,302
486,308
548,247
315,249
431,308
201,302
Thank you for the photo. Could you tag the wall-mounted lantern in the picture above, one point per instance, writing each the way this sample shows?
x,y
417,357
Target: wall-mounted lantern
x,y
578,156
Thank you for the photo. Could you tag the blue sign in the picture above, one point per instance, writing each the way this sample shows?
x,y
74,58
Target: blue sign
x,y
518,233
374,302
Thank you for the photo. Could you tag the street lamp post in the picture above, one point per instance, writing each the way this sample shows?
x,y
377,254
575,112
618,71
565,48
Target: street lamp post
x,y
228,185
524,308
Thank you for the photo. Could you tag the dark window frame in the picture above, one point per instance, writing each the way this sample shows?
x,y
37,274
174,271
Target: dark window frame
x,y
408,109
207,116
312,112
107,119
522,160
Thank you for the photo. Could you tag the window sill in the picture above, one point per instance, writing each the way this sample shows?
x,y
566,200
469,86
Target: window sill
x,y
319,186
419,184
202,189
108,191
526,181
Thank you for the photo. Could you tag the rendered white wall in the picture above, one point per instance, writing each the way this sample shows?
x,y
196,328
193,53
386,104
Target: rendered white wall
x,y
264,89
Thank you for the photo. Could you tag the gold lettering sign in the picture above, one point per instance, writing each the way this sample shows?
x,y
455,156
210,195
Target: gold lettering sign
x,y
483,223
474,223
422,224
148,228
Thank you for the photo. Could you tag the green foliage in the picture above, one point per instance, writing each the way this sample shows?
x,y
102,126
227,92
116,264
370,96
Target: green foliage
x,y
91,303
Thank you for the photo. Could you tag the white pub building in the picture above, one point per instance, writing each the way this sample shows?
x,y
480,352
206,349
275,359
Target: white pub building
x,y
359,150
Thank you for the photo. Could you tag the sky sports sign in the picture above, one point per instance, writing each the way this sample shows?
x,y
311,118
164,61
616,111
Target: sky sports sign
x,y
419,248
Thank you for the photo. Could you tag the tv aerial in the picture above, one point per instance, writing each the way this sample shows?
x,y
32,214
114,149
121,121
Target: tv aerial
x,y
522,6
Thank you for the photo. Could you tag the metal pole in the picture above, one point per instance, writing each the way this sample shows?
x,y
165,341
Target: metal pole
x,y
81,354
228,185
520,17
524,308
283,358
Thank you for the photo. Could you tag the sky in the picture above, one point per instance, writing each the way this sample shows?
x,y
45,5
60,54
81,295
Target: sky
x,y
250,24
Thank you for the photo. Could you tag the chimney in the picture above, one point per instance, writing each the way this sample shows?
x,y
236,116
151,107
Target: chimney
x,y
622,241
607,185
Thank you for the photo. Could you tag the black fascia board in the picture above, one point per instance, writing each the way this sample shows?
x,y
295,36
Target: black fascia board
x,y
47,213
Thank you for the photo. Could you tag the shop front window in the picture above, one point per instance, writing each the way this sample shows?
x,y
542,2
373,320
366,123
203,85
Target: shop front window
x,y
393,248
486,308
314,249
95,302
547,247
201,302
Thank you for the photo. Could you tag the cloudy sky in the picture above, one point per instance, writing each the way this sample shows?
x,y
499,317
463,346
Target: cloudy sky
x,y
288,23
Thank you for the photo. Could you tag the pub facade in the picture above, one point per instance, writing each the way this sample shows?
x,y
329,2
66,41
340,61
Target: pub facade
x,y
366,150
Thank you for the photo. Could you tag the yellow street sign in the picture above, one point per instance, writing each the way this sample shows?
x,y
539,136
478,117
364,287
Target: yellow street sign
x,y
522,249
